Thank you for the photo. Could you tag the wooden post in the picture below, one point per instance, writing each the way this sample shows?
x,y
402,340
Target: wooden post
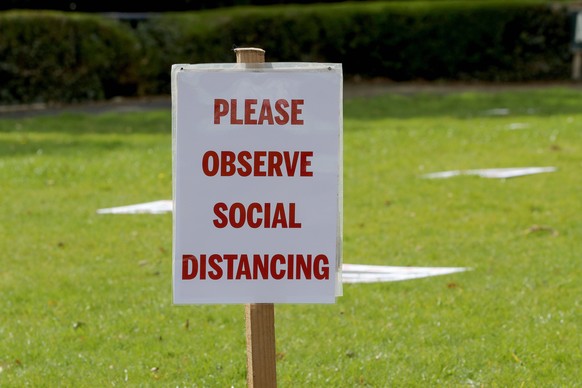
x,y
260,317
261,363
249,55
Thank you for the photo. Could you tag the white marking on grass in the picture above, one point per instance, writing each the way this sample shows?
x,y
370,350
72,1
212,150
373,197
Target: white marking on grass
x,y
499,173
515,126
351,273
497,112
166,205
155,207
359,273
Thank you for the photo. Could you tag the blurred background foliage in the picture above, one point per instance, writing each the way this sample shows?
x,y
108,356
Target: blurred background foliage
x,y
131,6
79,51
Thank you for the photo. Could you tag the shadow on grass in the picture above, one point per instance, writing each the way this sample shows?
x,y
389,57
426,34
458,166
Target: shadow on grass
x,y
18,147
466,105
462,105
126,123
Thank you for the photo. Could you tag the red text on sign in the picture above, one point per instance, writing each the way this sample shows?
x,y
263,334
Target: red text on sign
x,y
251,111
257,163
256,215
256,266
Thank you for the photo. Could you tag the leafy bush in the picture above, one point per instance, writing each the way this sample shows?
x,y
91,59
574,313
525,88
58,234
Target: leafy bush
x,y
47,56
50,56
486,40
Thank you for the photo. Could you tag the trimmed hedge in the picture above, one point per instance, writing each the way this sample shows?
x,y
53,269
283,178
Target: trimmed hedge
x,y
55,57
139,6
98,58
489,41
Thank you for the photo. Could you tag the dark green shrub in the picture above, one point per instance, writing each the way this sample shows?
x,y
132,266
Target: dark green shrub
x,y
51,56
481,40
68,57
178,38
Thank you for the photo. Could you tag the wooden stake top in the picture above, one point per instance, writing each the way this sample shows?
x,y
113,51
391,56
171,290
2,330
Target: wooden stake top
x,y
249,55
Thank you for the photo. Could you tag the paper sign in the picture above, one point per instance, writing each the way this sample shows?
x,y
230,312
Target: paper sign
x,y
257,188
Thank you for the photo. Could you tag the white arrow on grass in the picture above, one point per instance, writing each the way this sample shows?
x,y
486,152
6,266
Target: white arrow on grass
x,y
351,273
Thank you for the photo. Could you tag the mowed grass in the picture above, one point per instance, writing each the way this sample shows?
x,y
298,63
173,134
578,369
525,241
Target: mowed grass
x,y
85,299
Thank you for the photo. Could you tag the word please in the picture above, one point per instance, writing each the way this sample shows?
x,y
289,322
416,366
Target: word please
x,y
256,266
257,163
282,112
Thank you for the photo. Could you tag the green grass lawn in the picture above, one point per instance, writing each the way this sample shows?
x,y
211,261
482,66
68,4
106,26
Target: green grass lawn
x,y
85,299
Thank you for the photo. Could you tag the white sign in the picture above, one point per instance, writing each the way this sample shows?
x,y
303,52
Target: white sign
x,y
257,183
